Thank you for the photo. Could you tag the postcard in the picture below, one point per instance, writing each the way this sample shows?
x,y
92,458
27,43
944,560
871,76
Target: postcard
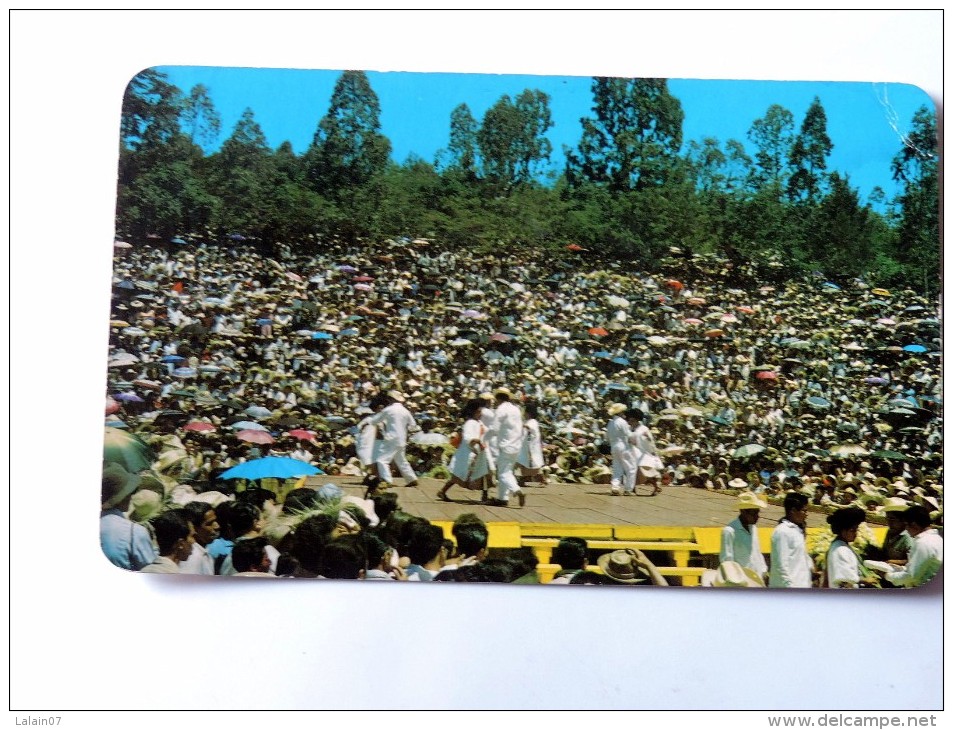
x,y
424,327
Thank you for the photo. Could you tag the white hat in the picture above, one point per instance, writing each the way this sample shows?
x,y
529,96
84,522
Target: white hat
x,y
732,575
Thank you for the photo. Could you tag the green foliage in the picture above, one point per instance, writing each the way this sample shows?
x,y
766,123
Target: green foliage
x,y
511,139
348,150
772,135
808,156
915,165
634,138
199,117
150,110
627,192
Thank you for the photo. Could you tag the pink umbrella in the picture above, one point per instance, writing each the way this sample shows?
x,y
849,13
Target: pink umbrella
x,y
255,437
745,310
363,287
692,321
302,434
111,405
767,375
198,426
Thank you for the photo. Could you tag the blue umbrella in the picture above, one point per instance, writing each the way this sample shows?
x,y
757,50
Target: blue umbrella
x,y
819,402
185,372
247,425
128,397
617,386
830,285
624,361
605,354
876,381
177,239
236,236
349,332
257,412
321,336
915,348
277,467
172,358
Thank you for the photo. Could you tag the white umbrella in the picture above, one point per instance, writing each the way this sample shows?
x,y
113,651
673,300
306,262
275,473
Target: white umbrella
x,y
429,439
459,342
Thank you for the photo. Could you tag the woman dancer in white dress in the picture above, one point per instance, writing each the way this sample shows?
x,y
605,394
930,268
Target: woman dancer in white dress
x,y
469,463
530,458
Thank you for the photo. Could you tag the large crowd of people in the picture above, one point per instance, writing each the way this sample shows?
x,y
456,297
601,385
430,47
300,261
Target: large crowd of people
x,y
690,372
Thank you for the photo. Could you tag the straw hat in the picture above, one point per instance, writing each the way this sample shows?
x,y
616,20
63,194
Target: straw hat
x,y
145,505
738,483
616,408
731,575
620,566
894,504
749,500
117,485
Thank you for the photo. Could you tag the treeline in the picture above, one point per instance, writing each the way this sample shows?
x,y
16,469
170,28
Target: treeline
x,y
631,187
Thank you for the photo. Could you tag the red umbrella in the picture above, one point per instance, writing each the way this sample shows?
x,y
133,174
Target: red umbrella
x,y
714,333
302,434
598,332
363,279
767,375
574,247
112,405
675,284
745,309
255,437
198,426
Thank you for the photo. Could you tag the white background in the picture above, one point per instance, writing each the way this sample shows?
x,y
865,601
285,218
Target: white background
x,y
85,635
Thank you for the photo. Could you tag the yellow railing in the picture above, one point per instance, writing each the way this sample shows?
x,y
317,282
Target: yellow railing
x,y
682,543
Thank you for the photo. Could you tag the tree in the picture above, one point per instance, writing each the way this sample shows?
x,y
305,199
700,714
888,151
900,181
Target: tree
x,y
240,171
915,166
772,136
150,110
707,162
348,149
840,237
512,138
199,116
808,157
461,154
633,140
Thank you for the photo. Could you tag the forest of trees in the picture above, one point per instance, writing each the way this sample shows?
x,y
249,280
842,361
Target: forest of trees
x,y
631,188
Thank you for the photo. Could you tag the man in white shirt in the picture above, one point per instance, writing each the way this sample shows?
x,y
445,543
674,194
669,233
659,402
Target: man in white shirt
x,y
509,429
739,538
396,422
203,519
624,466
791,566
926,557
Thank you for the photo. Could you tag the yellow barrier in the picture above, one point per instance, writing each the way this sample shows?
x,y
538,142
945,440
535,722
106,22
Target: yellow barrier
x,y
689,576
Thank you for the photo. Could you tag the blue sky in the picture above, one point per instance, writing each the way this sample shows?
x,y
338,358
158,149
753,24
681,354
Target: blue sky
x,y
863,119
